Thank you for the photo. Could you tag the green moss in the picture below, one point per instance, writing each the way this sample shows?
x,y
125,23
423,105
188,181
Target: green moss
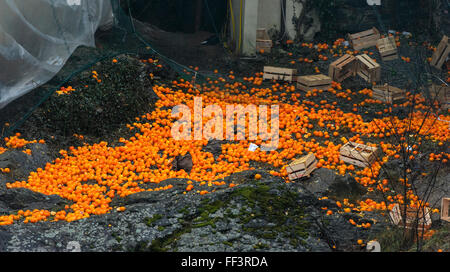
x,y
161,228
201,219
149,221
284,212
261,246
185,210
227,243
210,222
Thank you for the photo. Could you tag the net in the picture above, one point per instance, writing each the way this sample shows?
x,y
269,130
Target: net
x,y
39,38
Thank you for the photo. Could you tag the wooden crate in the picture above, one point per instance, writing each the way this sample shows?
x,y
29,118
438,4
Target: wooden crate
x,y
387,48
445,209
364,39
441,53
358,154
277,73
441,94
318,82
263,40
424,221
388,94
367,68
302,167
342,68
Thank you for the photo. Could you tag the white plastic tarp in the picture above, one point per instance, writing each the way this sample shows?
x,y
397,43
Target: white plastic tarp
x,y
38,36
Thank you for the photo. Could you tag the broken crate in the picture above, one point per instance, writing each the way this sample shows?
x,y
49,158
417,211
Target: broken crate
x,y
342,68
358,154
277,73
311,82
388,94
421,217
445,209
387,48
302,167
364,39
263,41
441,53
367,68
441,94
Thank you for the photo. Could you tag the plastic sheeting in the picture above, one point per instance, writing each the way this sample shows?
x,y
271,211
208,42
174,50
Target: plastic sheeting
x,y
37,37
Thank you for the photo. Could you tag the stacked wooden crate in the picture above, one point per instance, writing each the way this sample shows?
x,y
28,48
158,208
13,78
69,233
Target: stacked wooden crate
x,y
441,53
302,167
445,209
277,73
342,68
414,216
311,82
358,154
441,94
368,69
263,41
364,39
387,48
388,94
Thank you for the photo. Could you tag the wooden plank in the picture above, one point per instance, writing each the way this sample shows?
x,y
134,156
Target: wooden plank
x,y
342,68
445,209
278,73
441,53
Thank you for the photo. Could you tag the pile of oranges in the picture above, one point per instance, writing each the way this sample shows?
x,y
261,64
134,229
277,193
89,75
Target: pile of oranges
x,y
65,90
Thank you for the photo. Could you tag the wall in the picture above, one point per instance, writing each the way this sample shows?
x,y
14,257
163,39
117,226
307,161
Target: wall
x,y
269,14
260,14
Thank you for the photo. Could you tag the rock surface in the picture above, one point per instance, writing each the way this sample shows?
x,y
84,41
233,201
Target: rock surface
x,y
256,215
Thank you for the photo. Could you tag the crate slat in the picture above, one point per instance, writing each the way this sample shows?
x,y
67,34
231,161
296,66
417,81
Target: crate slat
x,y
342,68
445,209
364,39
277,73
367,68
441,53
318,82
